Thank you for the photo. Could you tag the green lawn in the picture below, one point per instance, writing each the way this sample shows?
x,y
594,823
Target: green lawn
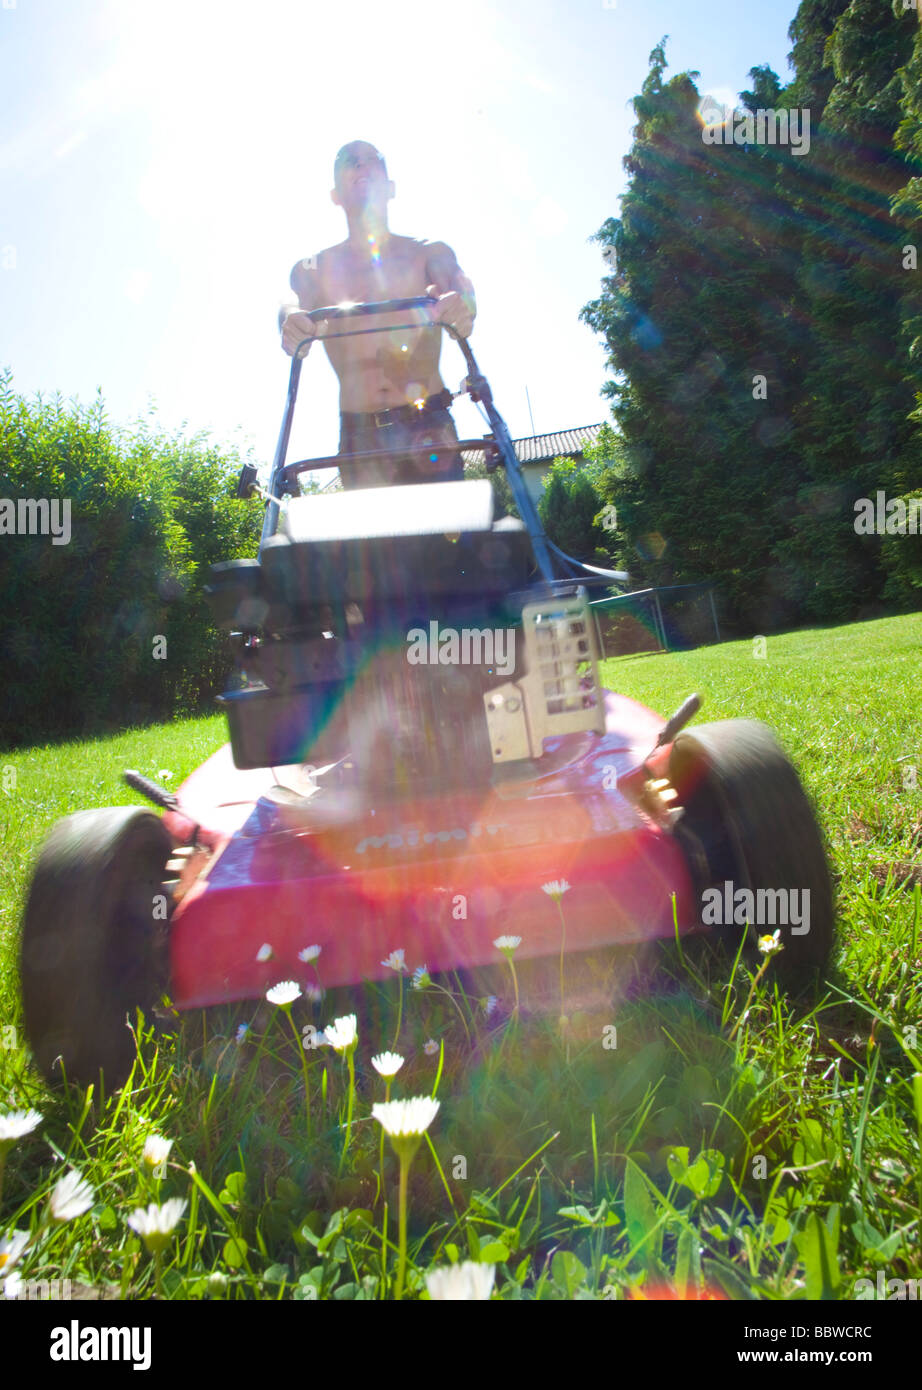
x,y
773,1157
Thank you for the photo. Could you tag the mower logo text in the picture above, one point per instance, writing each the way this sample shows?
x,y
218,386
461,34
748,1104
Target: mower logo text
x,y
471,646
411,839
764,907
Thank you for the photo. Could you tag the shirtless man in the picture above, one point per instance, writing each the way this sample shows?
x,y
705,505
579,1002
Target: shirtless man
x,y
391,393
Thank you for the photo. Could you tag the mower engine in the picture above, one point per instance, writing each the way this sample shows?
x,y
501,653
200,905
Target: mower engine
x,y
369,634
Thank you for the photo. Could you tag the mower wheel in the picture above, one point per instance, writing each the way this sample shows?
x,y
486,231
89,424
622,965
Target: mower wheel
x,y
93,945
748,823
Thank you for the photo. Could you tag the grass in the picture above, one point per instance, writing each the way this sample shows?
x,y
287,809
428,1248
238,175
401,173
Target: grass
x,y
659,1146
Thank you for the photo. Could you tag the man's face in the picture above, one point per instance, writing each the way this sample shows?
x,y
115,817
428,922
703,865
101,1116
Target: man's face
x,y
361,178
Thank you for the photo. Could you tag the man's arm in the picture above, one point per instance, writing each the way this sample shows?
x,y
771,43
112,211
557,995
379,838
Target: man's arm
x,y
447,282
294,324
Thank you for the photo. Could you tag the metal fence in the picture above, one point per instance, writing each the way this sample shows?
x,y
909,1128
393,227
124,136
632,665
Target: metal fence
x,y
671,618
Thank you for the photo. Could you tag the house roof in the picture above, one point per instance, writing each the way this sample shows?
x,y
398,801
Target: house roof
x,y
542,448
533,449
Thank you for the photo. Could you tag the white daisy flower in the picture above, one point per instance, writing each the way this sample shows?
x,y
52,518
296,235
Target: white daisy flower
x,y
507,943
72,1196
265,952
387,1064
11,1248
341,1033
489,1004
156,1150
285,993
431,1047
13,1286
421,977
556,889
17,1124
468,1281
396,960
768,945
157,1223
406,1118
309,953
164,774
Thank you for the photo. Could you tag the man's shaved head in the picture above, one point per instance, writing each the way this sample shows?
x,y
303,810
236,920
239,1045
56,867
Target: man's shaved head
x,y
351,154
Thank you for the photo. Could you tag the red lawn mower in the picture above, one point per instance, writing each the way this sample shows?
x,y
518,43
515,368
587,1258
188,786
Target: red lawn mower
x,y
418,743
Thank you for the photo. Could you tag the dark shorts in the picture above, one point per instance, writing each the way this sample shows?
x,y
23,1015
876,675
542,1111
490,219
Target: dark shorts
x,y
417,457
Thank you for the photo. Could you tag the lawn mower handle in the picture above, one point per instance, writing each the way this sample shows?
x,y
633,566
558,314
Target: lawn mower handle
x,y
380,306
333,312
480,390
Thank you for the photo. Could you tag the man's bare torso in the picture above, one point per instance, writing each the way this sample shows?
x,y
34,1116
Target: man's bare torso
x,y
381,370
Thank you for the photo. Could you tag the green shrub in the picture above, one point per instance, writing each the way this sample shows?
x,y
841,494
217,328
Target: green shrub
x,y
111,628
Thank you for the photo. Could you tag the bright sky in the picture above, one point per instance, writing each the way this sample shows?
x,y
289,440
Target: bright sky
x,y
163,164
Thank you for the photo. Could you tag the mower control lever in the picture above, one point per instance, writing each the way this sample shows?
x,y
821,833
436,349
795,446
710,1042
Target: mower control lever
x,y
248,486
687,710
158,795
247,481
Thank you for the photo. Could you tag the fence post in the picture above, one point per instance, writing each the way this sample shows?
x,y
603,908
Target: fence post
x,y
598,636
659,616
714,613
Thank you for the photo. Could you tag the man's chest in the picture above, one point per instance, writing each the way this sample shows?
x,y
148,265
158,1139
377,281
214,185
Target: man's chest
x,y
395,275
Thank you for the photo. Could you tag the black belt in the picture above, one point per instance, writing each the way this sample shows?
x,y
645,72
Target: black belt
x,y
400,413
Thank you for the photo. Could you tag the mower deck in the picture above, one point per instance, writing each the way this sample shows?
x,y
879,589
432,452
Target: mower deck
x,y
439,875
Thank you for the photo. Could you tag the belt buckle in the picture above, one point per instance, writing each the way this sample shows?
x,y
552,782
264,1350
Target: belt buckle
x,y
380,419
